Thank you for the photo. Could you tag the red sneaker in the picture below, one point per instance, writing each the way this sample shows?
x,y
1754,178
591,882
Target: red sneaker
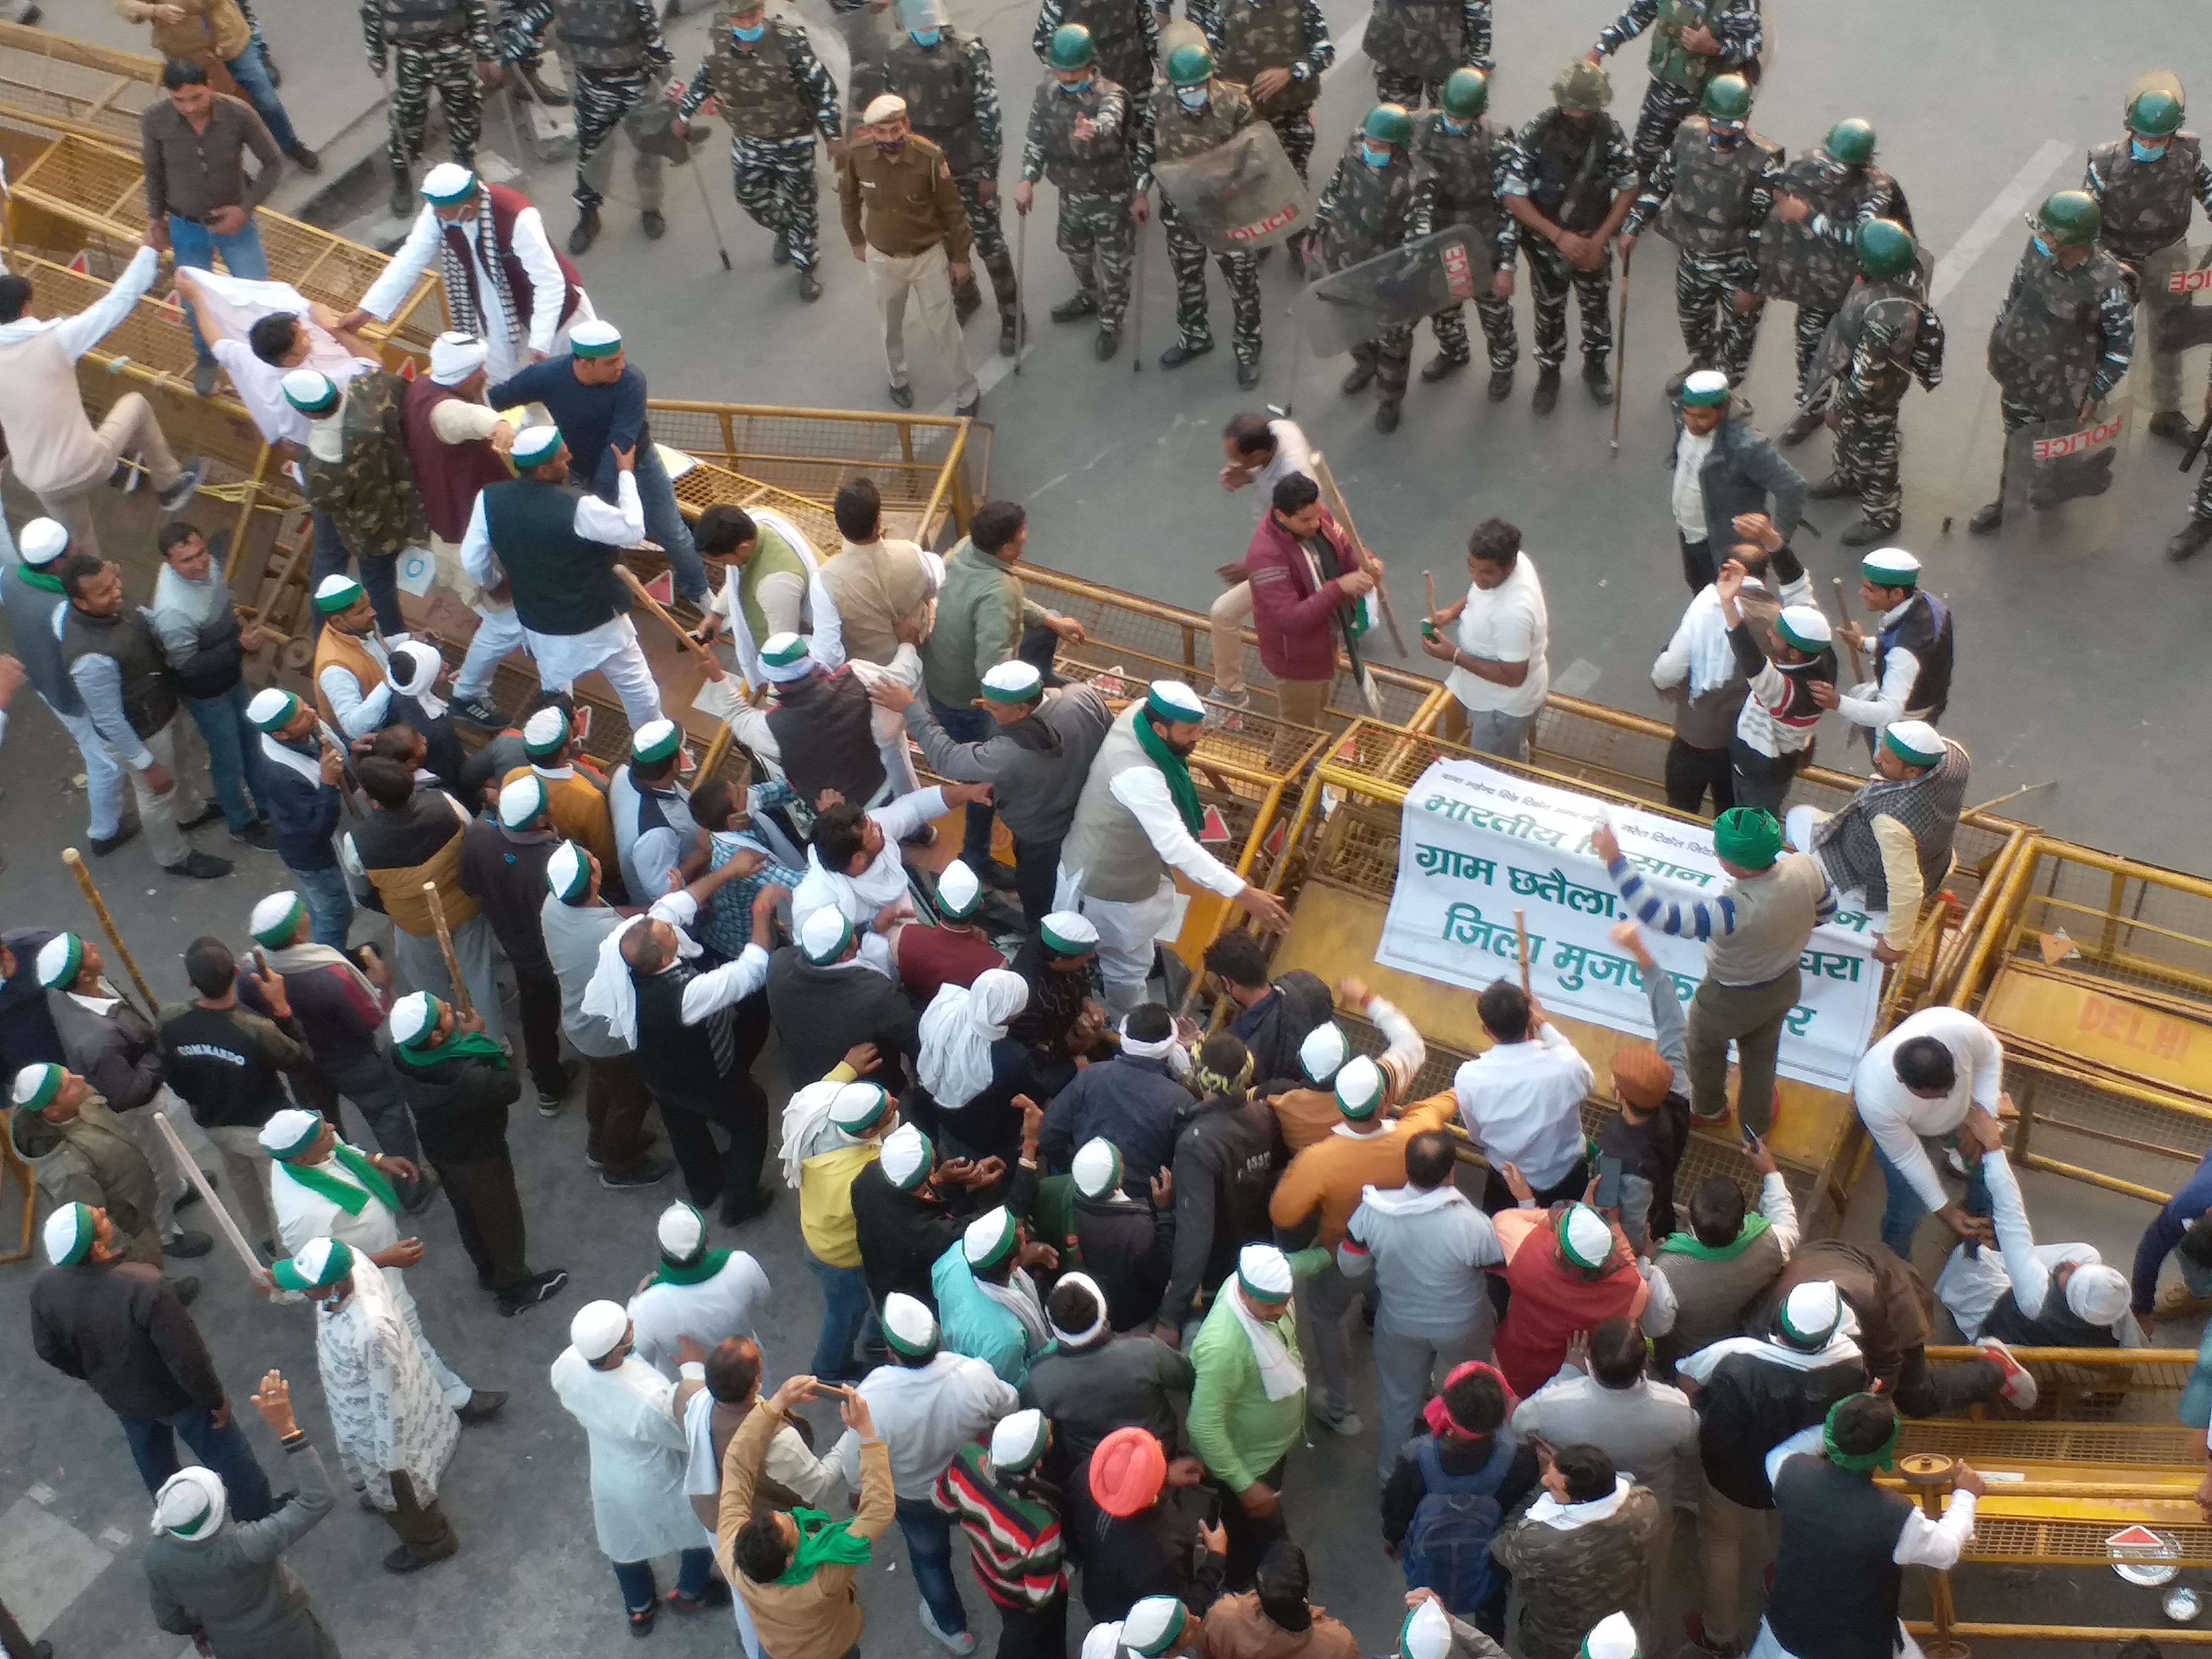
x,y
2019,1388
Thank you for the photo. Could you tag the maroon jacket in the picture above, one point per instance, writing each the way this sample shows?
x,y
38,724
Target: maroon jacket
x,y
447,475
1296,622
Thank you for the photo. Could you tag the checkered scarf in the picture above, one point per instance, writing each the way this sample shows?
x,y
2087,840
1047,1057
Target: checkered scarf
x,y
460,280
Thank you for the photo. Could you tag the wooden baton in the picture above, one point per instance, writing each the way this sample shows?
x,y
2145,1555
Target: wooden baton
x,y
1429,591
223,1219
446,947
1337,505
629,580
76,862
1843,615
1521,948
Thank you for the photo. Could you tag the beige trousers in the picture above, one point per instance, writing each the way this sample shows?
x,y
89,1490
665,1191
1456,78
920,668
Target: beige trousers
x,y
130,427
1228,615
178,749
928,276
247,1164
1727,1534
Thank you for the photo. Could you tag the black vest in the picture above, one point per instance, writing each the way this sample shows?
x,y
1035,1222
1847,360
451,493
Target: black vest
x,y
823,727
681,1062
562,583
1836,1584
2056,1327
1925,631
1566,171
443,755
149,687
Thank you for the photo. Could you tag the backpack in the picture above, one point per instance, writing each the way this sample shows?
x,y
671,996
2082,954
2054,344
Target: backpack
x,y
1447,1546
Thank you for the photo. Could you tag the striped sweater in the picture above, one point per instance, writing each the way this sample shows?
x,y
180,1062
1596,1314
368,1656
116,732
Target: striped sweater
x,y
1013,1535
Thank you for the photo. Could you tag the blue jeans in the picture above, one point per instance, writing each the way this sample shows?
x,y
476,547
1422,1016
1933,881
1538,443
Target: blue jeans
x,y
250,69
663,523
846,1316
234,752
195,247
970,726
368,1084
638,1591
928,1532
330,904
226,1450
1903,1211
380,577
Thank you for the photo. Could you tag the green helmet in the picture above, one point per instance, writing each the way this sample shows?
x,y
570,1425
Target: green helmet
x,y
2154,106
1885,248
1467,93
1728,98
1850,143
1387,124
2069,219
1071,48
1190,64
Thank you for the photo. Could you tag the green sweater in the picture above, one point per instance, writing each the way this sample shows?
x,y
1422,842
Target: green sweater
x,y
1236,1430
980,613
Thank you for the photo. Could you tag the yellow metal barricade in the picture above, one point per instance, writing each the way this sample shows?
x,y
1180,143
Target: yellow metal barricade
x,y
73,86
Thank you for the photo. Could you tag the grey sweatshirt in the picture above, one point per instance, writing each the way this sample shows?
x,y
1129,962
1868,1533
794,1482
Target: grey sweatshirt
x,y
1038,767
1649,1430
1427,1251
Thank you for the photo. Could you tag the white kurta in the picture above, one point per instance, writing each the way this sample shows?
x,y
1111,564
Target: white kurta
x,y
858,898
509,347
817,616
638,1456
728,1304
386,1412
564,658
303,1214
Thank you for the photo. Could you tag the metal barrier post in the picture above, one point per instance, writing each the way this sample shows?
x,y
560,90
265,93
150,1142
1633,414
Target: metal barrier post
x,y
1930,1474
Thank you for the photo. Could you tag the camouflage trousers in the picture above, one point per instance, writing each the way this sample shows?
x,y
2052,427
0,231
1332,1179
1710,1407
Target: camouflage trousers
x,y
1866,451
775,185
1100,240
1550,276
1187,258
602,99
1387,357
450,66
2200,504
1664,106
1496,316
984,221
1812,327
1717,334
1396,87
1295,130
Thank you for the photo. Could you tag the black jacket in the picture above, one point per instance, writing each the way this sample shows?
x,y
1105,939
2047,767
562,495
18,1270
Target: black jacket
x,y
27,1036
820,1012
901,1235
504,870
119,1327
1273,1027
1403,1492
1155,1553
1129,1248
460,1106
1749,1406
228,1064
1135,1103
1745,473
302,816
1122,1383
1225,1164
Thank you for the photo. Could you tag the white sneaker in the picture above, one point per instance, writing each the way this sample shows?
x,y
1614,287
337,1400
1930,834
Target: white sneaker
x,y
1345,1422
2020,1389
961,1643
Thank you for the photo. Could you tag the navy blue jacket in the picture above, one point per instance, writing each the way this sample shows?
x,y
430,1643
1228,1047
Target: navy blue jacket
x,y
1135,1103
303,816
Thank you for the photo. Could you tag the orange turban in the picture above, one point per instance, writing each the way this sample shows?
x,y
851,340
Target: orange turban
x,y
1128,1471
1641,1076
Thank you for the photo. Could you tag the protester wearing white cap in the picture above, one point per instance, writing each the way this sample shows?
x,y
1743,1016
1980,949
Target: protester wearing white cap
x,y
1139,816
855,865
396,1425
633,1420
988,1305
928,1403
1791,671
1911,646
208,1567
352,669
31,594
997,1491
1570,1269
304,770
504,281
832,1131
53,448
903,217
820,732
695,1291
548,544
79,1147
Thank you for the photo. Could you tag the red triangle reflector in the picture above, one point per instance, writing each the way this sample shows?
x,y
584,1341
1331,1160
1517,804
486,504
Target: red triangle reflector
x,y
1213,826
662,588
2136,1537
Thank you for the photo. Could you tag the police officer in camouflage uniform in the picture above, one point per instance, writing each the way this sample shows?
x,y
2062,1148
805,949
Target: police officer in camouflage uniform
x,y
1415,44
1368,209
772,89
2193,537
952,99
1710,194
1079,138
1691,42
2143,183
1125,35
616,55
1807,249
1192,113
1571,183
1884,336
2064,335
1459,164
446,44
1277,50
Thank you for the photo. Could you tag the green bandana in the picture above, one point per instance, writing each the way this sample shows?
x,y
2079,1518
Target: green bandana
x,y
344,1193
469,1045
43,580
1697,1250
822,1543
1176,770
1858,1463
709,1264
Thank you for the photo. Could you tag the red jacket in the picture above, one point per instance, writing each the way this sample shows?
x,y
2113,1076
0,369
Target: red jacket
x,y
1296,622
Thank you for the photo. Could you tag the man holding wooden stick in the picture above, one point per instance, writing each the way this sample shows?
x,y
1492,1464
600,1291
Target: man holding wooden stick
x,y
552,545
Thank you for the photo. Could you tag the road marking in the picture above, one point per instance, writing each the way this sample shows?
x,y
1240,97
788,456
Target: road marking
x,y
2010,202
1577,678
46,1564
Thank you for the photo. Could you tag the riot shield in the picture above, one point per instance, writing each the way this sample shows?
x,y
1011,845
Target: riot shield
x,y
2070,479
2176,284
1409,282
1239,196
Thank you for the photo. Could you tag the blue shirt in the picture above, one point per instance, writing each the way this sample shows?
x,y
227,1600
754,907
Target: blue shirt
x,y
595,421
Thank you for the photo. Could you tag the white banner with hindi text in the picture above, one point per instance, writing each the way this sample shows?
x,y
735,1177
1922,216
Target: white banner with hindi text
x,y
1476,843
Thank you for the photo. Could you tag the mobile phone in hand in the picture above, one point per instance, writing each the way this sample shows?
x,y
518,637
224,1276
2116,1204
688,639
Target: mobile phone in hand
x,y
1607,1196
1750,1139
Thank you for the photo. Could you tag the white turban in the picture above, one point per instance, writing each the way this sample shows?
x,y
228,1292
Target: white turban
x,y
612,995
423,662
1264,1272
959,1030
1097,1327
598,1328
1325,1048
2097,1294
454,357
191,1504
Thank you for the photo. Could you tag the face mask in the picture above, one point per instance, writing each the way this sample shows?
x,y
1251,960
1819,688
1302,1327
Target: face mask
x,y
891,147
1456,126
1373,157
1071,88
925,39
748,35
1193,98
2143,152
1726,134
2042,246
